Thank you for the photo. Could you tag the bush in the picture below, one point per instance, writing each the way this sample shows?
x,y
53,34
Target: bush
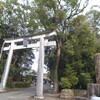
x,y
69,79
22,84
84,79
10,85
65,83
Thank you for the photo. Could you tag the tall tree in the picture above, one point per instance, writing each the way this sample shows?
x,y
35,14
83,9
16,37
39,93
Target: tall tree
x,y
94,18
56,15
14,21
78,52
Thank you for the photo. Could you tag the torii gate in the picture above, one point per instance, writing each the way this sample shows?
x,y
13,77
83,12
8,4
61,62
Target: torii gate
x,y
43,42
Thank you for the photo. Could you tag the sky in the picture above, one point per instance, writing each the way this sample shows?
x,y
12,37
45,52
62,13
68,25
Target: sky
x,y
35,64
93,2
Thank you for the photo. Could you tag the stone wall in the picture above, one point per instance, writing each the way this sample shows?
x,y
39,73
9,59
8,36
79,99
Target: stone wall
x,y
97,67
93,89
68,93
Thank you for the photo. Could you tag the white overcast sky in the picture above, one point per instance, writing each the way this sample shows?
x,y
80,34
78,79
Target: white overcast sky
x,y
91,3
35,64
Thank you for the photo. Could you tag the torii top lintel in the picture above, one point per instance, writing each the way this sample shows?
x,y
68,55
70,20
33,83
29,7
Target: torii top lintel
x,y
30,37
30,45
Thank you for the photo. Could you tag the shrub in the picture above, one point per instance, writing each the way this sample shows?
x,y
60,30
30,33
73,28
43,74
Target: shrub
x,y
65,83
69,79
84,79
10,85
22,84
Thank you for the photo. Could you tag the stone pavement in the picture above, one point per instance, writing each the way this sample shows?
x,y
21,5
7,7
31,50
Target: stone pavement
x,y
28,93
48,95
55,97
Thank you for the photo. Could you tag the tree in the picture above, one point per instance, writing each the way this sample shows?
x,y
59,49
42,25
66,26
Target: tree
x,y
78,52
50,60
57,14
69,78
14,19
94,17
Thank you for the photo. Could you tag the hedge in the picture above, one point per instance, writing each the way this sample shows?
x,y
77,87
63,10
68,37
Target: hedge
x,y
22,84
10,85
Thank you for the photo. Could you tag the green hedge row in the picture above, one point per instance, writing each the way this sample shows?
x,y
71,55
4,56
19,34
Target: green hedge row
x,y
22,84
19,85
10,85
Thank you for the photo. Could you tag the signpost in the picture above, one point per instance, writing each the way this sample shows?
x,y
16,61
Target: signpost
x,y
41,44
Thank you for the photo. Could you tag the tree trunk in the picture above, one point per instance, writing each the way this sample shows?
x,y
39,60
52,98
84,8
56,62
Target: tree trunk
x,y
56,66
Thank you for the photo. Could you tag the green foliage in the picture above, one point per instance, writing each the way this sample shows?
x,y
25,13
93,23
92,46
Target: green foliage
x,y
18,84
77,54
10,85
69,78
61,14
2,5
22,84
2,64
50,61
65,83
15,21
94,17
84,79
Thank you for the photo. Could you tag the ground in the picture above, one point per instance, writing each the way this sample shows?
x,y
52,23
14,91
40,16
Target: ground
x,y
20,94
23,94
28,94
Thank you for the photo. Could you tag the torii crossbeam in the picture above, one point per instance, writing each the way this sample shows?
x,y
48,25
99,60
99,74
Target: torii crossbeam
x,y
13,46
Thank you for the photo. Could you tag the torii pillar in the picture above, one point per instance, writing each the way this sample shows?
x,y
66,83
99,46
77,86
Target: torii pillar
x,y
6,69
39,85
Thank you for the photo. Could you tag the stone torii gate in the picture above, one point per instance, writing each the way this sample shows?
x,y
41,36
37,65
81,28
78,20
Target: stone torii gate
x,y
14,46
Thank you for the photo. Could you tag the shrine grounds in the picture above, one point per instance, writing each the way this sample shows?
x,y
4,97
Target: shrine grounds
x,y
28,94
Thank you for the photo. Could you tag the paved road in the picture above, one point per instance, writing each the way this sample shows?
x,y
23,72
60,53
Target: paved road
x,y
24,94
